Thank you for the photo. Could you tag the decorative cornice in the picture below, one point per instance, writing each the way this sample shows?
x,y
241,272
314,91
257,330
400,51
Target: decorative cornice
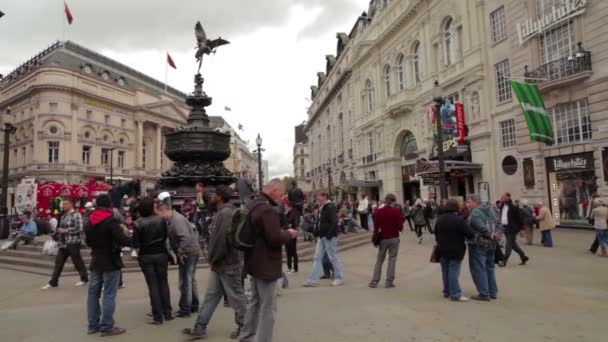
x,y
341,81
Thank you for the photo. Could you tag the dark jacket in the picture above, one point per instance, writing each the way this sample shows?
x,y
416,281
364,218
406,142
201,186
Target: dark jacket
x,y
513,217
328,221
150,235
451,230
263,260
222,256
105,236
389,221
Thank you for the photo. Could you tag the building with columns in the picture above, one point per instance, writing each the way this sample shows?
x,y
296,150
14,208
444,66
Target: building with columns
x,y
80,114
241,158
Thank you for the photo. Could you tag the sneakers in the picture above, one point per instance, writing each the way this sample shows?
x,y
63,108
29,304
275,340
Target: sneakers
x,y
481,298
292,272
80,284
47,286
461,299
310,284
337,283
115,331
524,260
420,240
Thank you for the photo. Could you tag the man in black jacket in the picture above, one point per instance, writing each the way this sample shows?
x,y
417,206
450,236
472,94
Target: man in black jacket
x,y
327,243
510,218
105,236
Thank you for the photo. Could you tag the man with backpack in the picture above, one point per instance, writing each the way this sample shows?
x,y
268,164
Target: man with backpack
x,y
225,261
511,219
263,261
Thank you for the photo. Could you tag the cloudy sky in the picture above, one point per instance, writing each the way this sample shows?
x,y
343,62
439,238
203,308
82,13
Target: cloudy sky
x,y
277,48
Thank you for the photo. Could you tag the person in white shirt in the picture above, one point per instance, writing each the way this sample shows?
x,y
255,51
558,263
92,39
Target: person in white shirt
x,y
363,212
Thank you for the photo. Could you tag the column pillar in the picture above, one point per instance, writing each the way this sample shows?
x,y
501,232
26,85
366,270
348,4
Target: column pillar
x,y
140,144
159,147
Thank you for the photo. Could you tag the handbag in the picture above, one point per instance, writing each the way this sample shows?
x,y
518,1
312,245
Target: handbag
x,y
435,255
377,239
498,254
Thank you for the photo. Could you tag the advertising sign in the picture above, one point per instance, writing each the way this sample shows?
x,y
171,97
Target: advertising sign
x,y
460,123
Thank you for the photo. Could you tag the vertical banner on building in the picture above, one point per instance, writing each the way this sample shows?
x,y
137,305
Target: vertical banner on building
x,y
533,106
460,123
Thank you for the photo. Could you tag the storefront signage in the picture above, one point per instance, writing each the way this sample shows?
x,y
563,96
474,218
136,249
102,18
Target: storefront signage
x,y
557,14
460,123
434,179
571,163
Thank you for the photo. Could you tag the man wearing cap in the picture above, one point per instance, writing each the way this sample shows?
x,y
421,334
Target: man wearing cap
x,y
225,261
184,241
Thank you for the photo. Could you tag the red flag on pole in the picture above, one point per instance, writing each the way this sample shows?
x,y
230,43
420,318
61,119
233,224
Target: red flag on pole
x,y
170,61
68,13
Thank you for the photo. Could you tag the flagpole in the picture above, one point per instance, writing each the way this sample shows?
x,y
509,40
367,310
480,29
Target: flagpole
x,y
166,71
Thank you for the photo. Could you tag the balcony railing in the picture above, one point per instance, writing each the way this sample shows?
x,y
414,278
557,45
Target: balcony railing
x,y
560,69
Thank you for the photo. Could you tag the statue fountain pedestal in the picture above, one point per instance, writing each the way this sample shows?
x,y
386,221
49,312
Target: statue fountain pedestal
x,y
198,152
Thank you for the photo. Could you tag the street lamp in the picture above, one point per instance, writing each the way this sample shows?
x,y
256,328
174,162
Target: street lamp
x,y
258,141
112,166
8,129
439,101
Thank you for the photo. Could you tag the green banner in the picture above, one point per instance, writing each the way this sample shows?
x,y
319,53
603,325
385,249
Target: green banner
x,y
537,118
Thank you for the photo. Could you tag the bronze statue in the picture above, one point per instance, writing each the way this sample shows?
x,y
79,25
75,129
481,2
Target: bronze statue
x,y
204,45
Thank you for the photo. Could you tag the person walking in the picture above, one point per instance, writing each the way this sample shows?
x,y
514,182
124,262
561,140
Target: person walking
x,y
389,224
510,218
150,236
183,238
407,212
105,237
293,219
528,217
69,239
244,187
263,263
327,243
451,230
599,215
482,248
545,223
226,263
363,210
295,196
419,218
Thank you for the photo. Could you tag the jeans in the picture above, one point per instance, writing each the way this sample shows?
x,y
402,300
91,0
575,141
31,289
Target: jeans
x,y
547,239
154,267
392,247
72,251
228,283
512,245
329,246
25,238
364,222
602,239
188,299
483,270
292,254
261,312
108,282
419,230
450,270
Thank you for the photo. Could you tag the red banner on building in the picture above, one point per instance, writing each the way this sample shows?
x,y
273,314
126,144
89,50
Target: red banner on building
x,y
460,123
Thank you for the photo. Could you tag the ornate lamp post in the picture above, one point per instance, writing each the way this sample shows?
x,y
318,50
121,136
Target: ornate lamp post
x,y
258,141
8,129
439,101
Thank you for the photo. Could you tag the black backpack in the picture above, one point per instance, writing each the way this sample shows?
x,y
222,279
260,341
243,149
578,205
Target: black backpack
x,y
241,232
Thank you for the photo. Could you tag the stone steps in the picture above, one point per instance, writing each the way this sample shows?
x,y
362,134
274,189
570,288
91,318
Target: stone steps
x,y
29,258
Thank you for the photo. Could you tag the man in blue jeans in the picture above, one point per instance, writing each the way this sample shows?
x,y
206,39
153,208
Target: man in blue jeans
x,y
482,248
105,236
327,243
184,241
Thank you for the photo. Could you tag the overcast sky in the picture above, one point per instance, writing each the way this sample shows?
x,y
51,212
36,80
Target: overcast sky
x,y
277,48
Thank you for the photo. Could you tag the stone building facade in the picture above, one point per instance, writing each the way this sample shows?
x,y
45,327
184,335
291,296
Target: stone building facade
x,y
80,114
301,159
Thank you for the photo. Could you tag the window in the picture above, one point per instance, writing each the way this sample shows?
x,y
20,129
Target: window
x,y
509,165
417,64
24,154
387,80
557,43
105,157
301,151
401,72
454,98
302,173
369,91
143,155
572,122
105,75
503,75
53,106
121,159
89,115
370,139
507,133
497,19
123,123
121,81
53,130
88,69
106,119
86,155
87,135
449,35
53,152
409,146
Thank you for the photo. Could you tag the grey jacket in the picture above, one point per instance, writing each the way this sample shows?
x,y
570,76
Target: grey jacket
x,y
183,236
222,256
484,223
244,187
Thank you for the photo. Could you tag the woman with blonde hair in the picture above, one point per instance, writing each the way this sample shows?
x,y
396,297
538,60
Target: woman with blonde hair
x,y
545,223
599,215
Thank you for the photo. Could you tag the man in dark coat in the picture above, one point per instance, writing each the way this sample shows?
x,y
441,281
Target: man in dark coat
x,y
105,236
511,219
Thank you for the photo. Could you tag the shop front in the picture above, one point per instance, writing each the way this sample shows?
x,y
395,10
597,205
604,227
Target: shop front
x,y
369,187
411,184
459,176
572,187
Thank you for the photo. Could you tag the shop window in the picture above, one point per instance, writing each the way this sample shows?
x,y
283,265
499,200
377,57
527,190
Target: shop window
x,y
509,165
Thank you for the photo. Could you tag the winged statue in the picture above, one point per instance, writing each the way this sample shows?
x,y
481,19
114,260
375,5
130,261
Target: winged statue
x,y
205,46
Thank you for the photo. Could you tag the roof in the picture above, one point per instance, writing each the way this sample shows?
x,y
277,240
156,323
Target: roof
x,y
301,136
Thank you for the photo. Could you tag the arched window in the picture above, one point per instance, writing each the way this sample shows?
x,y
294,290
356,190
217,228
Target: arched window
x,y
369,94
409,146
449,34
387,80
401,71
417,63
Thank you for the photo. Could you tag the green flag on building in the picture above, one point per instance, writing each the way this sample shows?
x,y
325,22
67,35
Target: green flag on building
x,y
539,122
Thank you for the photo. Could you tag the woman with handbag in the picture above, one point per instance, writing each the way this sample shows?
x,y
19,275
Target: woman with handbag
x,y
150,236
451,230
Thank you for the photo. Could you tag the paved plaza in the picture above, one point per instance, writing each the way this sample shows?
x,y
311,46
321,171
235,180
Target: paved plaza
x,y
562,295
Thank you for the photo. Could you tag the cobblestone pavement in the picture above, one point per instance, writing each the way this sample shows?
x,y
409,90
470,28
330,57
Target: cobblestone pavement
x,y
562,295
